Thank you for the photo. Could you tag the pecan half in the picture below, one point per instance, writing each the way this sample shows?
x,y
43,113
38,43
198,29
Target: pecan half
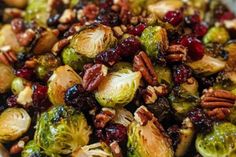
x,y
25,38
93,76
176,53
104,117
217,102
116,150
19,146
8,57
58,46
143,64
142,115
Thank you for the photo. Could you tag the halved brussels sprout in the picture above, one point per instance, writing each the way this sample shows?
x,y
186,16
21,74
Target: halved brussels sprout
x,y
6,77
216,35
72,58
37,10
121,65
231,49
14,122
186,136
8,38
32,150
18,84
146,137
3,151
160,8
118,88
164,75
207,65
232,116
220,142
61,130
123,117
99,149
91,41
154,39
136,6
63,78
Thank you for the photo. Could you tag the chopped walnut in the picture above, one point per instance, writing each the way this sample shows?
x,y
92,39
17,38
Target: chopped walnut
x,y
105,116
152,92
143,64
176,53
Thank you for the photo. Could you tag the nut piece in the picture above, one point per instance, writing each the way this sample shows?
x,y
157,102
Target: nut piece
x,y
143,64
176,53
104,117
8,57
67,16
218,102
18,147
116,150
26,38
152,92
93,76
142,115
58,46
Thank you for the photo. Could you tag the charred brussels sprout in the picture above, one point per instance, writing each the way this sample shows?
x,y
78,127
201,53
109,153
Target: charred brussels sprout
x,y
118,88
230,47
146,137
6,77
17,4
207,65
91,41
164,75
220,142
33,150
62,130
99,149
63,78
72,58
154,39
14,122
136,6
216,35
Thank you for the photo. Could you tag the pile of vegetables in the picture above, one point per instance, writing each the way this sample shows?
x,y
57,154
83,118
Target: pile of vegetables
x,y
117,78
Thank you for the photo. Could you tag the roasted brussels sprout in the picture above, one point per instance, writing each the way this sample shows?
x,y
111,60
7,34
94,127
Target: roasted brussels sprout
x,y
6,77
123,117
33,150
72,58
121,65
37,10
14,122
220,142
154,39
164,74
231,49
216,35
232,116
184,98
207,65
160,8
91,41
17,4
99,149
61,130
146,137
63,78
18,84
118,88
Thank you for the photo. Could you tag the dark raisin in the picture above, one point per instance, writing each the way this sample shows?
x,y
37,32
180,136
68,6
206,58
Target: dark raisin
x,y
108,57
25,73
12,101
174,133
116,132
108,18
181,73
53,20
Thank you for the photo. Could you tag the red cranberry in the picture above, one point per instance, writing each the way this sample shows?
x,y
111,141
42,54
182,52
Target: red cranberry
x,y
108,57
137,30
181,73
128,47
226,16
12,101
193,19
200,30
195,47
116,132
40,97
173,17
25,73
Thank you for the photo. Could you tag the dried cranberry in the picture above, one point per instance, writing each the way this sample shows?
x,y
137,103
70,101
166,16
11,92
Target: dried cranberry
x,y
25,73
108,57
128,47
105,4
200,120
226,16
12,101
137,30
200,29
40,97
174,133
195,47
108,18
18,25
116,132
181,73
192,19
173,17
53,20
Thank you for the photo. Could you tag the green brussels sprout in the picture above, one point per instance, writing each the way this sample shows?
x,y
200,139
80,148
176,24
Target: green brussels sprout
x,y
91,41
147,138
154,39
47,63
72,58
232,116
8,38
136,6
123,116
18,85
184,98
99,149
3,151
121,65
6,77
207,65
160,8
63,78
164,75
14,122
61,130
230,47
216,35
118,88
220,142
186,136
37,10
33,150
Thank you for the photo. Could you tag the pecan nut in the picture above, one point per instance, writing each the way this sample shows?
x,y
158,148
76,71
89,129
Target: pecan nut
x,y
58,46
25,38
115,149
8,57
218,102
93,76
19,146
143,64
142,115
105,116
176,53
